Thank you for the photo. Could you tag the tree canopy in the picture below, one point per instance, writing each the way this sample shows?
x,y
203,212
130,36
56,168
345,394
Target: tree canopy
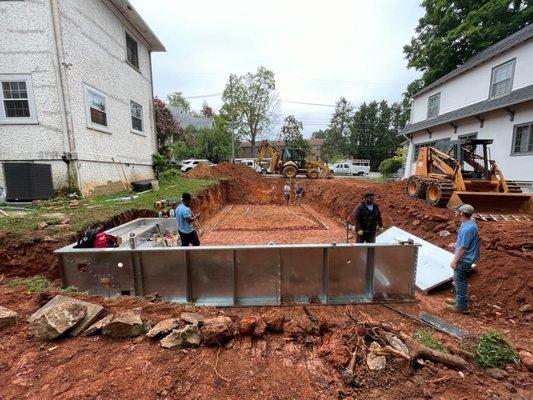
x,y
176,99
167,129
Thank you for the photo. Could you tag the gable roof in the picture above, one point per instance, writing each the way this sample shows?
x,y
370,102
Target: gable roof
x,y
130,14
503,45
515,97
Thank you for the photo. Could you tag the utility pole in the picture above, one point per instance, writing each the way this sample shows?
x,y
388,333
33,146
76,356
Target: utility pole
x,y
232,120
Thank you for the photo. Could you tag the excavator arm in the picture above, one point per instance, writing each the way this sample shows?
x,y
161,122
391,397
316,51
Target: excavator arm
x,y
268,150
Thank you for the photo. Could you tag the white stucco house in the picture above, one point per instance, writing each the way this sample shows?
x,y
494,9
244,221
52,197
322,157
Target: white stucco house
x,y
76,91
489,97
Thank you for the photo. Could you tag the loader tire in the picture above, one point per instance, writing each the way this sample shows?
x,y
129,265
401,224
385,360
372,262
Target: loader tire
x,y
290,171
416,188
313,173
439,192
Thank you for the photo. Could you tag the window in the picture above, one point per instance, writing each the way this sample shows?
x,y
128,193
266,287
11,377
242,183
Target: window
x,y
433,105
132,52
96,109
136,111
16,96
502,79
523,139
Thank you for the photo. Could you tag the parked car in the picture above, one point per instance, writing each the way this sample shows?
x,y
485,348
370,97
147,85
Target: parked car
x,y
263,169
352,167
187,165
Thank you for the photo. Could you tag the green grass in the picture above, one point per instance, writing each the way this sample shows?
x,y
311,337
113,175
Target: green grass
x,y
94,210
36,284
493,351
426,338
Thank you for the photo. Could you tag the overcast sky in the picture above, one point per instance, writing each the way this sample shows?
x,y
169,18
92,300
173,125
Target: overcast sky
x,y
318,50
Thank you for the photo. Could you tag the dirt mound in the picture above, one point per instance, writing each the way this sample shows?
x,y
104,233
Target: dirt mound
x,y
223,170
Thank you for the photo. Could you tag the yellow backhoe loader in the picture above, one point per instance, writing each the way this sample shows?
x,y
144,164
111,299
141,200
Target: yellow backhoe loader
x,y
291,162
460,172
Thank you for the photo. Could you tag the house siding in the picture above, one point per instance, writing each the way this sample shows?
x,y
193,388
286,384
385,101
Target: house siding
x,y
92,51
25,48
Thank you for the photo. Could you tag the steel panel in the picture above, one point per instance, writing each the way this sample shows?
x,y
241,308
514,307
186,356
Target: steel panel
x,y
165,273
347,269
211,277
103,273
257,276
302,275
394,269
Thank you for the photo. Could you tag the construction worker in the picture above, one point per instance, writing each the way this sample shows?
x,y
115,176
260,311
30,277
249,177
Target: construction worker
x,y
287,192
367,219
185,219
466,251
299,192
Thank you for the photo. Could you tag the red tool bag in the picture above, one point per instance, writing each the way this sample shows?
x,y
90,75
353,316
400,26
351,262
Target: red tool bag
x,y
105,240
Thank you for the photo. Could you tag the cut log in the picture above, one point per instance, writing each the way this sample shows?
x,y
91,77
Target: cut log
x,y
418,350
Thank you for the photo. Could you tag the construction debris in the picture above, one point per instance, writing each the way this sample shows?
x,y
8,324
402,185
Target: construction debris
x,y
179,338
163,327
192,318
57,319
126,324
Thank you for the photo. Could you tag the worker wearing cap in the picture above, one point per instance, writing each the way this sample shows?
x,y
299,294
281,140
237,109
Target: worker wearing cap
x,y
185,219
367,219
466,253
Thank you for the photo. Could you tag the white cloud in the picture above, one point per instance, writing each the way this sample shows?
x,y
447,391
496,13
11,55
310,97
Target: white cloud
x,y
318,50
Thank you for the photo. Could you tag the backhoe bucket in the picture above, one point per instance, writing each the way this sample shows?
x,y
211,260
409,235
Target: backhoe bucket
x,y
493,202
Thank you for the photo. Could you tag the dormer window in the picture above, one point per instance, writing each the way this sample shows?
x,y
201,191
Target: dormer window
x,y
502,78
433,105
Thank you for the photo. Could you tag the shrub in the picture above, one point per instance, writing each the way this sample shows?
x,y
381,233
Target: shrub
x,y
160,163
493,351
390,165
37,284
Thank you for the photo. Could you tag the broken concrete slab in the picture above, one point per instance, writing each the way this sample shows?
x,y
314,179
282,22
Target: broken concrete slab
x,y
179,338
163,327
126,324
7,317
91,315
98,325
57,320
218,330
192,318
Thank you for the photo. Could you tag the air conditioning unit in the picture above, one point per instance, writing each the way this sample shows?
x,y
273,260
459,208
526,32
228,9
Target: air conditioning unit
x,y
28,181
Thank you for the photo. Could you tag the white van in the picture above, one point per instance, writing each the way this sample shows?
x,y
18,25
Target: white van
x,y
352,167
263,169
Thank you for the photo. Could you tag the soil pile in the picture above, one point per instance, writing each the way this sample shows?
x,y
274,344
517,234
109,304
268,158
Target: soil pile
x,y
226,170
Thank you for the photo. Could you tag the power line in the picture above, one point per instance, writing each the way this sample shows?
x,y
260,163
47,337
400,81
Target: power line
x,y
308,104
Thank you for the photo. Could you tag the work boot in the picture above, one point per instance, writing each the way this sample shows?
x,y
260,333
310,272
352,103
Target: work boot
x,y
450,301
458,310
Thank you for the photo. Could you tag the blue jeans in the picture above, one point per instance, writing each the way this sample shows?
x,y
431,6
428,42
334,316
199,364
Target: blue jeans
x,y
461,283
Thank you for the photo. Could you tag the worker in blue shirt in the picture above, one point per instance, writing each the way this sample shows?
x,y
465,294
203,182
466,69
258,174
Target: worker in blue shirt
x,y
466,253
185,219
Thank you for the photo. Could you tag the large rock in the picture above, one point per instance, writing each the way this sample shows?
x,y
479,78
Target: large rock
x,y
179,338
301,326
163,327
374,361
218,330
98,325
93,311
527,359
252,325
7,317
57,320
193,318
396,343
275,318
126,324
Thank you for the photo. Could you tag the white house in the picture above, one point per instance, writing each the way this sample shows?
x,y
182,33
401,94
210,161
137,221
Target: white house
x,y
76,91
489,97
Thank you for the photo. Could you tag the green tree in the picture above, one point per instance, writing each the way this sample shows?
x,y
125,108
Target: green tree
x,y
452,31
176,99
167,129
338,131
251,104
320,134
291,130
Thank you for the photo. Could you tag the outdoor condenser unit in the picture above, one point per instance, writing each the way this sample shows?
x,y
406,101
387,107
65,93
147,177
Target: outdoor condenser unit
x,y
28,181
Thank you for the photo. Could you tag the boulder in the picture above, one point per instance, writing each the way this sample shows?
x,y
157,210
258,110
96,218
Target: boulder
x,y
218,330
374,361
163,327
126,324
301,326
7,317
179,338
97,326
57,320
252,325
192,318
93,311
274,320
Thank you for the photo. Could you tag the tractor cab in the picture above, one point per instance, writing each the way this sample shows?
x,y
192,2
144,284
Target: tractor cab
x,y
472,154
295,155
